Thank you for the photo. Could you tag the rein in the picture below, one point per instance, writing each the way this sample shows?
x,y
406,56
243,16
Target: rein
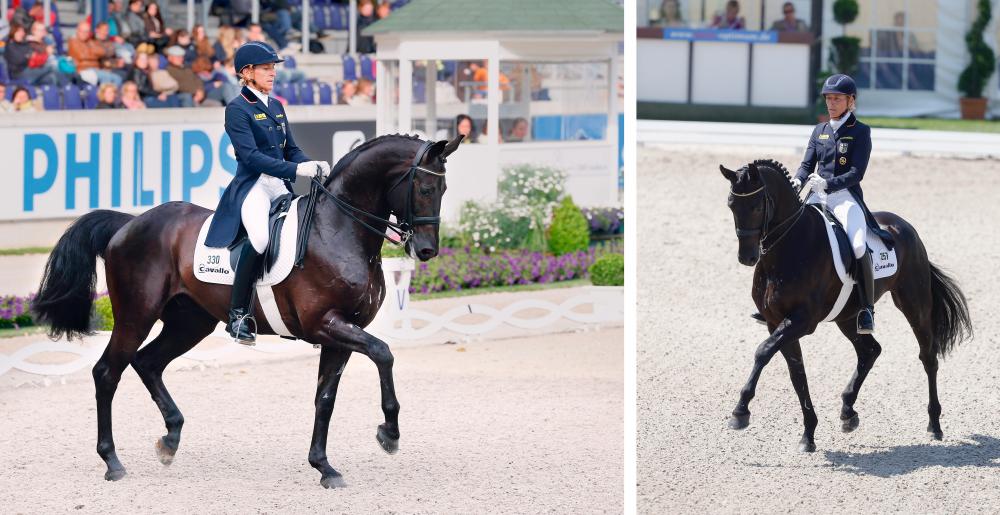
x,y
403,230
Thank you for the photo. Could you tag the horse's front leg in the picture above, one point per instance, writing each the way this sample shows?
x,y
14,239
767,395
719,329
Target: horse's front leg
x,y
790,329
340,334
792,352
331,366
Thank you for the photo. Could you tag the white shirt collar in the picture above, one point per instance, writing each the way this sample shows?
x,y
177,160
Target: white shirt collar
x,y
835,124
261,96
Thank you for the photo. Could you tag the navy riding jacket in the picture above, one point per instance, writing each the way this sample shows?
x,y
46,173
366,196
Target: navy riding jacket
x,y
263,143
842,156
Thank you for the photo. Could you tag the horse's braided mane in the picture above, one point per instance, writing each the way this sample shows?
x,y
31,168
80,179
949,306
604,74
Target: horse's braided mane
x,y
776,165
353,154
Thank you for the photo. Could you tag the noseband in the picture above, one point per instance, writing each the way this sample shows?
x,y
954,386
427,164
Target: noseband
x,y
403,229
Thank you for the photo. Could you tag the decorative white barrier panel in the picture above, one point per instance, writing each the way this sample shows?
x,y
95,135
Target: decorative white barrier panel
x,y
396,322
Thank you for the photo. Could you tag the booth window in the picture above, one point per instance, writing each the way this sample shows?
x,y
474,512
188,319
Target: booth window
x,y
898,47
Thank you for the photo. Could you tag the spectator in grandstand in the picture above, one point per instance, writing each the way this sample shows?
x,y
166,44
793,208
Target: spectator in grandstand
x,y
182,38
366,92
222,90
484,137
115,56
366,16
731,19
22,102
480,77
383,10
107,97
668,15
42,43
88,54
276,20
202,45
130,97
465,127
27,60
225,46
4,31
347,90
789,23
140,75
133,25
518,131
5,105
157,32
187,81
115,18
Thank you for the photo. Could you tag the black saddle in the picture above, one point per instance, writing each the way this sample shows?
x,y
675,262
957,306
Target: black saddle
x,y
275,221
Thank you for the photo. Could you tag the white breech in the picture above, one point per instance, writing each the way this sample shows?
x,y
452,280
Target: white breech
x,y
256,206
846,210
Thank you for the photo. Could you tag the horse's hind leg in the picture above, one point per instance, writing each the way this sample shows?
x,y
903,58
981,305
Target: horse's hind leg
x,y
331,366
792,352
868,350
916,306
185,324
125,339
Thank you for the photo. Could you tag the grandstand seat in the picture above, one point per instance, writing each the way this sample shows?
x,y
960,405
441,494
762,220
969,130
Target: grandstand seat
x,y
4,76
71,97
89,96
340,20
163,61
50,98
325,94
305,94
288,92
321,17
366,67
289,62
350,68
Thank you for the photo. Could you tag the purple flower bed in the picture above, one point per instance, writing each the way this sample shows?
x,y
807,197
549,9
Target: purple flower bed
x,y
460,269
15,312
604,221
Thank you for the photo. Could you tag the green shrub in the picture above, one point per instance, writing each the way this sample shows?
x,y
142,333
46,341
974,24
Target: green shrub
x,y
608,270
982,61
569,231
104,318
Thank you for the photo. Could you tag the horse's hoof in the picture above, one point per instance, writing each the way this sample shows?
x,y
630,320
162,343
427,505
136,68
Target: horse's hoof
x,y
333,481
739,421
164,453
114,475
388,443
807,445
850,424
936,434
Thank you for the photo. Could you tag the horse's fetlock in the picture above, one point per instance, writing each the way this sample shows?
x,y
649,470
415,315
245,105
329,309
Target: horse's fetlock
x,y
104,449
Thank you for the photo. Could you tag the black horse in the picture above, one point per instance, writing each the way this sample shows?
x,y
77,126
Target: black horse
x,y
336,293
795,286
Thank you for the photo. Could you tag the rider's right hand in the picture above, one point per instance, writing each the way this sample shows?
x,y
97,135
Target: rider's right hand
x,y
310,169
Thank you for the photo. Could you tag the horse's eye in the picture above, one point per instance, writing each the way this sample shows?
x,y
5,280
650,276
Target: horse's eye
x,y
426,190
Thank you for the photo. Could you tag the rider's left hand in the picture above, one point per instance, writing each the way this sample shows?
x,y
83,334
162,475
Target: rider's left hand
x,y
818,183
325,167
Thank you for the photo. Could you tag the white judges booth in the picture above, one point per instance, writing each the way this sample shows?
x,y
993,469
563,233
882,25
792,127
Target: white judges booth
x,y
540,89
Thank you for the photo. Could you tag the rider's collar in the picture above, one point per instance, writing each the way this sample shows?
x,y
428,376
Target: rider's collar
x,y
263,98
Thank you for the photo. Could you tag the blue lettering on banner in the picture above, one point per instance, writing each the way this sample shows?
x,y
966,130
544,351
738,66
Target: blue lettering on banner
x,y
229,164
140,197
116,169
738,36
191,179
76,170
34,143
165,166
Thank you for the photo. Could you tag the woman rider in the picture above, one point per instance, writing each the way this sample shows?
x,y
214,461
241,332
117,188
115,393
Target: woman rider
x,y
841,148
268,161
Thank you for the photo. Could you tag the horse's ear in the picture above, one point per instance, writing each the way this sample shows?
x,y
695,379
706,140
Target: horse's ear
x,y
727,173
452,145
752,172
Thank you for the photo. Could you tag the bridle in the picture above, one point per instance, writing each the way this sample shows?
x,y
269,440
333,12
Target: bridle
x,y
405,225
768,215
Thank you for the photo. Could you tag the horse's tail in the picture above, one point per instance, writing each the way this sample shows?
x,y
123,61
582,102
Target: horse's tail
x,y
66,294
949,312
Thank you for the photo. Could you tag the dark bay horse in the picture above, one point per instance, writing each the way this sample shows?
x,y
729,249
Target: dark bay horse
x,y
795,286
337,292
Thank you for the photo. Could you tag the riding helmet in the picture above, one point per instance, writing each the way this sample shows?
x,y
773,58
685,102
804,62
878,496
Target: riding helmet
x,y
840,84
254,53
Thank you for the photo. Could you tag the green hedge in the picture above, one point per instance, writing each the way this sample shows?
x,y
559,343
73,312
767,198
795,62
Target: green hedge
x,y
608,270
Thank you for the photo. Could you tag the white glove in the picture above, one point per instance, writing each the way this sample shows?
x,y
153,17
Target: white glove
x,y
312,169
818,183
796,183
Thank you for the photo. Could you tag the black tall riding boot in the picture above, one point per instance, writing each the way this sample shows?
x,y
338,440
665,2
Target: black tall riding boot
x,y
866,294
242,325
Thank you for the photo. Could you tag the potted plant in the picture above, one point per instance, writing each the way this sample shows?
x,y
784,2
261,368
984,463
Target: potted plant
x,y
845,49
981,61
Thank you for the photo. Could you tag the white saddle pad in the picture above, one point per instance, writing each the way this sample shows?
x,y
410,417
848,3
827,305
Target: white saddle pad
x,y
211,265
883,262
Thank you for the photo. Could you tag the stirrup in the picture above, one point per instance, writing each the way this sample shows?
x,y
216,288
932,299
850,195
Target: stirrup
x,y
866,321
236,328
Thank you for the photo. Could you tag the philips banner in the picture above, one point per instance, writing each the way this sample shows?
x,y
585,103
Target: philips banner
x,y
66,172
